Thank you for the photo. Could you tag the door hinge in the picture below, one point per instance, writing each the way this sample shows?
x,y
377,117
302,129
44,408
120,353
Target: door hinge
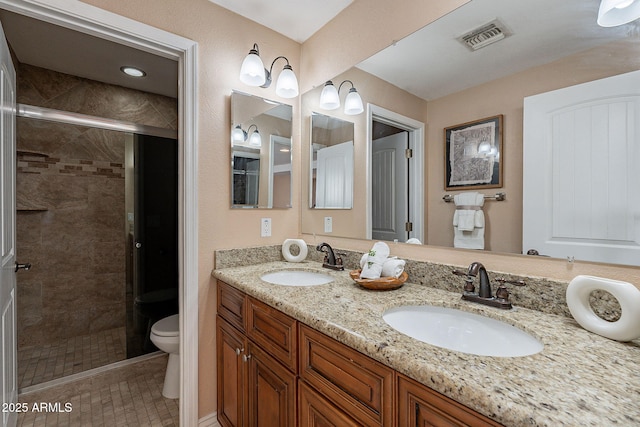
x,y
408,226
408,153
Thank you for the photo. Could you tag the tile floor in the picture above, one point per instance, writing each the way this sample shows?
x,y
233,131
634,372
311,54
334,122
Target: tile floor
x,y
42,363
125,396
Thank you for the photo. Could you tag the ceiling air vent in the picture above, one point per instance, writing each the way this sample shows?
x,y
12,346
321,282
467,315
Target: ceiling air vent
x,y
484,36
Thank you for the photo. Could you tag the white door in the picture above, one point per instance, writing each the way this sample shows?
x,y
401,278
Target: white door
x,y
334,177
8,375
581,155
390,188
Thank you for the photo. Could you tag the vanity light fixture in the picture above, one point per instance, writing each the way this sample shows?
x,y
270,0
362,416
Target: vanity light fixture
x,y
239,136
132,71
618,12
253,73
330,98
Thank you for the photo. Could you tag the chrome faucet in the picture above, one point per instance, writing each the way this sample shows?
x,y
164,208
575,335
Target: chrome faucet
x,y
330,259
484,295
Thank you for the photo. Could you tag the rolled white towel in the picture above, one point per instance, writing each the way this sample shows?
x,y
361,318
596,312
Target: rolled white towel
x,y
393,267
414,241
372,268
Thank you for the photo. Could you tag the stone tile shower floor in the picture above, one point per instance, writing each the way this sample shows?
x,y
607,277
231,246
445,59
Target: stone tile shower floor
x,y
41,363
125,396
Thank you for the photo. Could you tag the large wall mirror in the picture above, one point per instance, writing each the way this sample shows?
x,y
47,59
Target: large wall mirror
x,y
331,163
260,152
541,46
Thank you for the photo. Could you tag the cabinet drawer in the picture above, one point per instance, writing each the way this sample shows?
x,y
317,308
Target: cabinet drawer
x,y
359,385
274,331
314,410
419,405
231,305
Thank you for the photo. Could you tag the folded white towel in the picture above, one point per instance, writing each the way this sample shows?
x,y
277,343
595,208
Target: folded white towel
x,y
414,241
392,267
464,219
372,268
468,220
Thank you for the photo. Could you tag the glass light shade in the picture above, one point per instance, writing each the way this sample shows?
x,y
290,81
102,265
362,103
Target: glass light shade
x,y
618,12
329,98
255,139
353,103
484,148
287,84
252,71
238,135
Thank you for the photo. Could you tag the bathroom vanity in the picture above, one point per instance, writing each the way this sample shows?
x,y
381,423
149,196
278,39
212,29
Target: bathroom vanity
x,y
323,354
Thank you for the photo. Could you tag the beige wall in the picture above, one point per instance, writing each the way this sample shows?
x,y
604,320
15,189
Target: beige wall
x,y
350,222
505,96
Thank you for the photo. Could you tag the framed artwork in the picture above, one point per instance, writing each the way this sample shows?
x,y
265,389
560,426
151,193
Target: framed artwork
x,y
473,153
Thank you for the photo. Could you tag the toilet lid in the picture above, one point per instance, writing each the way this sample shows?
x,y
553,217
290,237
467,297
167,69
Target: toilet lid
x,y
167,327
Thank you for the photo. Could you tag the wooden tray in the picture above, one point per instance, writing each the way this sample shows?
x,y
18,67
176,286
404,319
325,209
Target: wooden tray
x,y
381,284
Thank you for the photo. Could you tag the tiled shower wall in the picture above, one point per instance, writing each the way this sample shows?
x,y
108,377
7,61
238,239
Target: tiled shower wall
x,y
71,222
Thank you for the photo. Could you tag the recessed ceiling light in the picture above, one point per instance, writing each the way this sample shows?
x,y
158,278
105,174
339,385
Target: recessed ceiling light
x,y
133,71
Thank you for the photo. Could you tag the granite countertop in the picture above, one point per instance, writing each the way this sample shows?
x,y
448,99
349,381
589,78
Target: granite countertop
x,y
579,378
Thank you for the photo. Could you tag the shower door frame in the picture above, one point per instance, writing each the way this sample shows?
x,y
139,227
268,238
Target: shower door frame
x,y
89,19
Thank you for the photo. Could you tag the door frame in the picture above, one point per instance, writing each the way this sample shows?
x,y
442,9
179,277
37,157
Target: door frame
x,y
89,19
416,172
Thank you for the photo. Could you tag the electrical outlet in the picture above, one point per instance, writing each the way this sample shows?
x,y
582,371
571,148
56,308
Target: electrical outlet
x,y
328,224
265,227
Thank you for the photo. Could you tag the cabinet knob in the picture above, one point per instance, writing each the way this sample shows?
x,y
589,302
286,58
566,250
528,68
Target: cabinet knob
x,y
239,350
246,357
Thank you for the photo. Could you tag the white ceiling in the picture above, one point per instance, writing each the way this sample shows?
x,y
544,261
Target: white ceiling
x,y
431,63
296,19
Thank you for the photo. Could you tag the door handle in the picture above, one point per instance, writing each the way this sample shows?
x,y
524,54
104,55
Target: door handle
x,y
138,245
25,267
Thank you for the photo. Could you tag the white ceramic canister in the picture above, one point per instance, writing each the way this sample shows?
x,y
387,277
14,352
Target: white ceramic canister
x,y
626,328
286,250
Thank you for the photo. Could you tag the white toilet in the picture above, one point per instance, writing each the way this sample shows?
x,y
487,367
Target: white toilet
x,y
165,334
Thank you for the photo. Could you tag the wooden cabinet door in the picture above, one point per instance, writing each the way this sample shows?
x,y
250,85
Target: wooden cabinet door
x,y
231,346
271,390
315,411
420,406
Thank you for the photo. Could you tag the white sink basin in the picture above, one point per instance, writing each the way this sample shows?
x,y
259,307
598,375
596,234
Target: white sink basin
x,y
297,278
461,331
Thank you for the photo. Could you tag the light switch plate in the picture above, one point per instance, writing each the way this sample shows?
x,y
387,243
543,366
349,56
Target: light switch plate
x,y
328,224
265,227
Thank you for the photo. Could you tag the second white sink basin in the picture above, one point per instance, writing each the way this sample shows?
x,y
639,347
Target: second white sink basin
x,y
461,331
297,278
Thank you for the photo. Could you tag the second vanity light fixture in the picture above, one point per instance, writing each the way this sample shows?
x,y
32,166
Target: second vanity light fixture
x,y
618,12
253,73
238,136
330,98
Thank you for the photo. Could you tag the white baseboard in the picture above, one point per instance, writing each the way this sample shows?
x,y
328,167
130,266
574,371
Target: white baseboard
x,y
210,420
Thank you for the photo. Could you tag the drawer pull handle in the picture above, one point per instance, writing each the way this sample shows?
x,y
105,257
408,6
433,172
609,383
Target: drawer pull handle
x,y
246,357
